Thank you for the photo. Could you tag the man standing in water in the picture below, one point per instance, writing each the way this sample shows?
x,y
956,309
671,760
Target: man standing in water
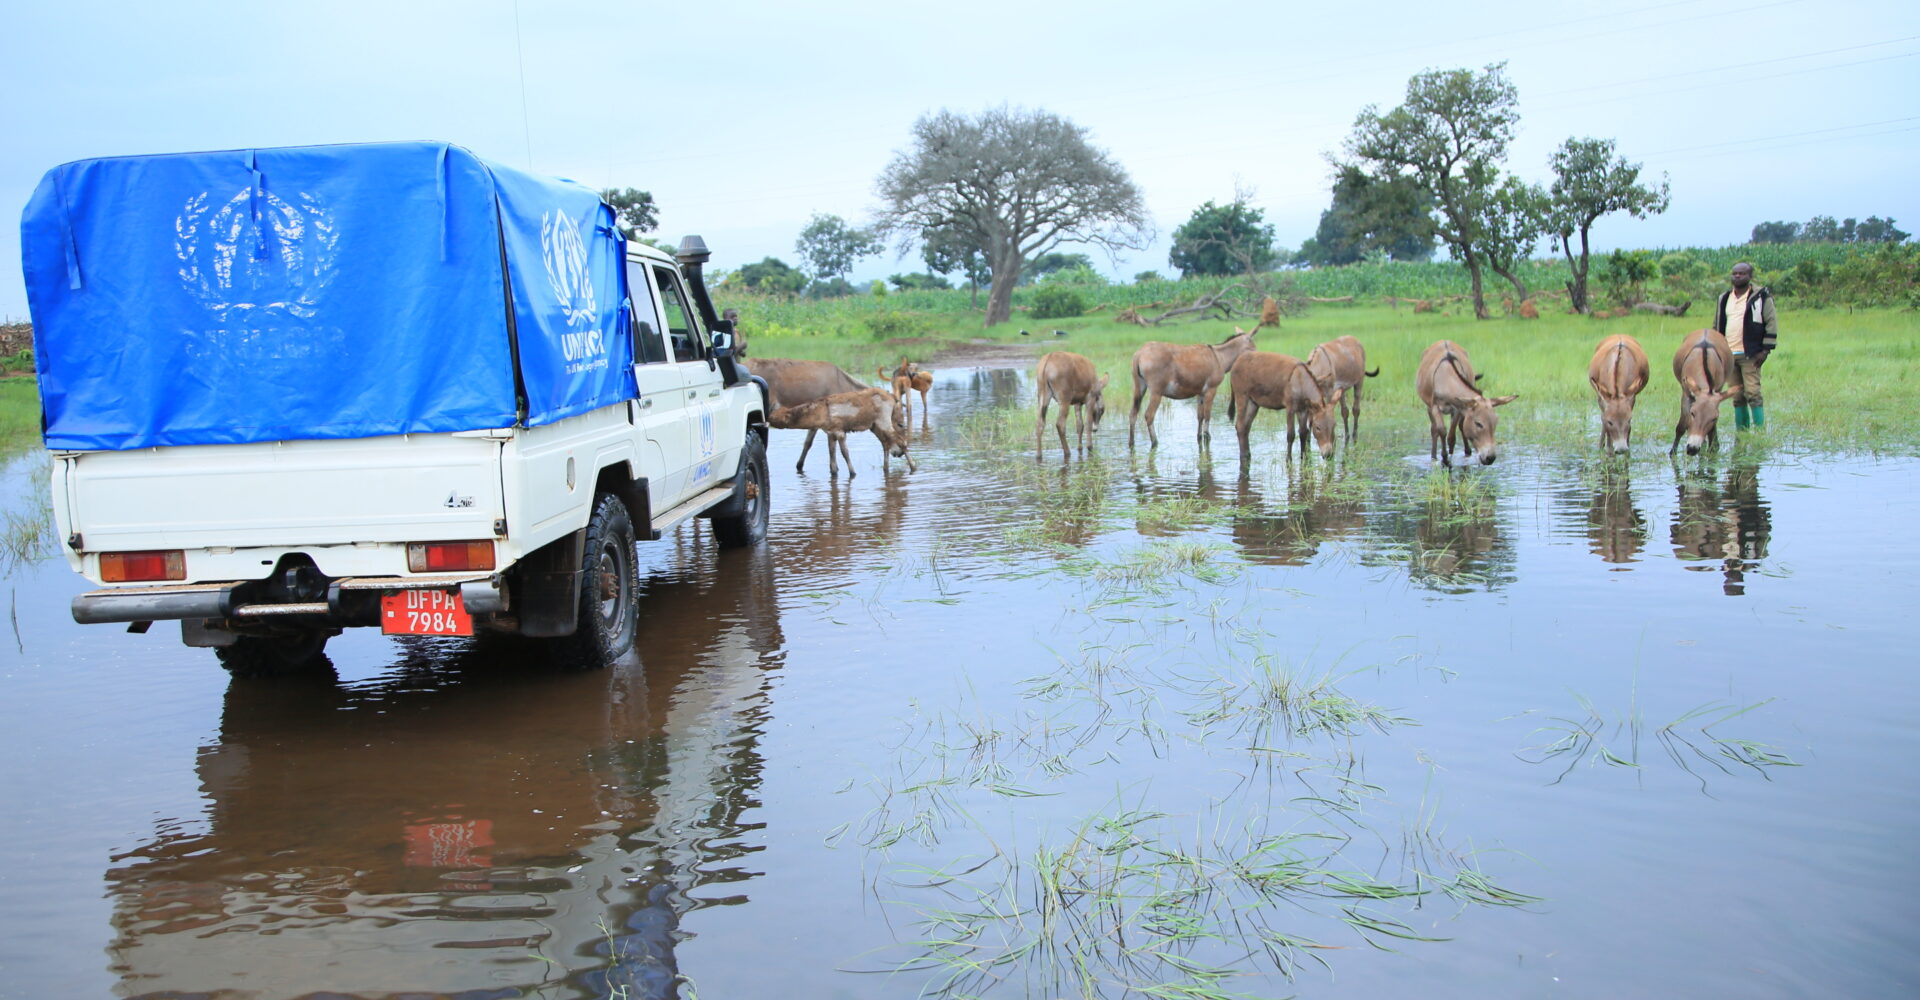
x,y
1745,315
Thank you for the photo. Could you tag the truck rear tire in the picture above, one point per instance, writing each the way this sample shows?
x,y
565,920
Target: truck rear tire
x,y
745,522
299,652
609,587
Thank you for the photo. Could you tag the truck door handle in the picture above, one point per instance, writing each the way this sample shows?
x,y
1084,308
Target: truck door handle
x,y
646,404
693,393
712,393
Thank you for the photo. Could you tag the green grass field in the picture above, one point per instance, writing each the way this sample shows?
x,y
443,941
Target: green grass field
x,y
1840,382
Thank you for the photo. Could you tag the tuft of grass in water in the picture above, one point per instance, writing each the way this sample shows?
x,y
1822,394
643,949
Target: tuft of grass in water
x,y
1119,907
1688,741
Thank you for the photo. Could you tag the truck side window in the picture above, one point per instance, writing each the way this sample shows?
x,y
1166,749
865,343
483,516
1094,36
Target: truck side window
x,y
682,331
649,347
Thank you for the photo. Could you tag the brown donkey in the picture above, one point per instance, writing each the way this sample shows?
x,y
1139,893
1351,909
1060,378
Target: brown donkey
x,y
906,378
1340,366
1068,378
791,382
1618,371
844,413
1455,405
1281,382
1701,366
1183,371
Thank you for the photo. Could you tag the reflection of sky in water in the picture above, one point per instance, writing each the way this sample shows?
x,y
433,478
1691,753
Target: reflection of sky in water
x,y
1525,683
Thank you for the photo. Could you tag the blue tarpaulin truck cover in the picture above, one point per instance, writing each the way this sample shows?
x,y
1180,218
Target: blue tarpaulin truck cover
x,y
318,292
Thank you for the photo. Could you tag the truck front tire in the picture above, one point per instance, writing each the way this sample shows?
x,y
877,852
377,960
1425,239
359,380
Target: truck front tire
x,y
609,587
745,520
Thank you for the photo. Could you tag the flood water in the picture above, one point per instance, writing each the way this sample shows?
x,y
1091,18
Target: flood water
x,y
1567,729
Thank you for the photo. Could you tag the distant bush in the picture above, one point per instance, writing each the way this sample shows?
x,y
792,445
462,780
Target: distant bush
x,y
1145,276
1081,275
1057,301
896,325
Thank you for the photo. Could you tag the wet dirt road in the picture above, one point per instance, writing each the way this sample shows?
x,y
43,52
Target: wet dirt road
x,y
1277,708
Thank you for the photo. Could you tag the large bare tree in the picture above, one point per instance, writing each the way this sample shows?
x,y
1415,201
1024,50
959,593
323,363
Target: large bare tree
x,y
1014,183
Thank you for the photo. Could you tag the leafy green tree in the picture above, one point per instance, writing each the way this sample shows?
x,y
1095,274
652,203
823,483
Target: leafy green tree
x,y
633,210
771,275
1775,232
953,247
1450,135
1016,183
1052,263
1222,240
1590,182
1146,276
1370,213
912,282
1878,230
1081,275
830,247
1821,229
1512,221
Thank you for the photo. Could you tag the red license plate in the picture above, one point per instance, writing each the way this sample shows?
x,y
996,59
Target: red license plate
x,y
424,612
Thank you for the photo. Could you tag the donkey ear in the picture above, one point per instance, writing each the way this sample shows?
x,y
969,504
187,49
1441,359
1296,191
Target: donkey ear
x,y
1102,384
1503,400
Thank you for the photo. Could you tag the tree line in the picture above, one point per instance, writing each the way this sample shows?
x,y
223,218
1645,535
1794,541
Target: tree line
x,y
993,199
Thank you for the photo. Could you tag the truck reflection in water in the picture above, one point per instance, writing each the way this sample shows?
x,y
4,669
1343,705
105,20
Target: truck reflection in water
x,y
1723,527
471,824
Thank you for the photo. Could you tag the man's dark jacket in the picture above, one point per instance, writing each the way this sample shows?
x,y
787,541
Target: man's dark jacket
x,y
1762,329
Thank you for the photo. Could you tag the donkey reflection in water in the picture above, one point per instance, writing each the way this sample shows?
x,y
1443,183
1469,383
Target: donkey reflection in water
x,y
844,413
1183,371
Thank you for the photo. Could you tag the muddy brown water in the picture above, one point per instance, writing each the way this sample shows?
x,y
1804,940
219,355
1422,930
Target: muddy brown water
x,y
1280,708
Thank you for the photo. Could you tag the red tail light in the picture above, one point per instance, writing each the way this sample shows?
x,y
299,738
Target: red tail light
x,y
136,567
445,557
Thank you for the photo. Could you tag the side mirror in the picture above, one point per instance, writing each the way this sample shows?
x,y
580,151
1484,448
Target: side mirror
x,y
722,345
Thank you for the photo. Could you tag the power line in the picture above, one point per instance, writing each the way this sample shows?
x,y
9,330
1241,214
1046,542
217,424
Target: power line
x,y
1723,69
1785,135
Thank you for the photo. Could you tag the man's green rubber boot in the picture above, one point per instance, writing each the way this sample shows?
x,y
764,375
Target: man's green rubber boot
x,y
1740,418
1759,417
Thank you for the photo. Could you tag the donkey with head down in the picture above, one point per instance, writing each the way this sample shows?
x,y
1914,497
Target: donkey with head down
x,y
1618,372
1701,366
1068,378
1340,366
1281,382
791,382
1455,405
1183,371
843,413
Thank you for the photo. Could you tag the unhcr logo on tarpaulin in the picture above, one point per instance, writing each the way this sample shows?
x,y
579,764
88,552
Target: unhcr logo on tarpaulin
x,y
565,257
257,254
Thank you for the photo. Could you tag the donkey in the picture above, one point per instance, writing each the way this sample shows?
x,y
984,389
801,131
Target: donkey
x,y
1068,378
1183,371
907,378
1618,372
1281,382
1340,366
1701,366
791,382
843,413
1455,405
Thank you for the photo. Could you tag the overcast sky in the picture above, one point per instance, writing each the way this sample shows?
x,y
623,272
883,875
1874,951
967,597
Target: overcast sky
x,y
745,119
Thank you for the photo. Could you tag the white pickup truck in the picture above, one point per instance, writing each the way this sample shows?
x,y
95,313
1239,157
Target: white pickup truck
x,y
293,391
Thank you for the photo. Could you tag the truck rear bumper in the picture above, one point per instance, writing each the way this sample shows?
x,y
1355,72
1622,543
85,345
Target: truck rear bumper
x,y
479,594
